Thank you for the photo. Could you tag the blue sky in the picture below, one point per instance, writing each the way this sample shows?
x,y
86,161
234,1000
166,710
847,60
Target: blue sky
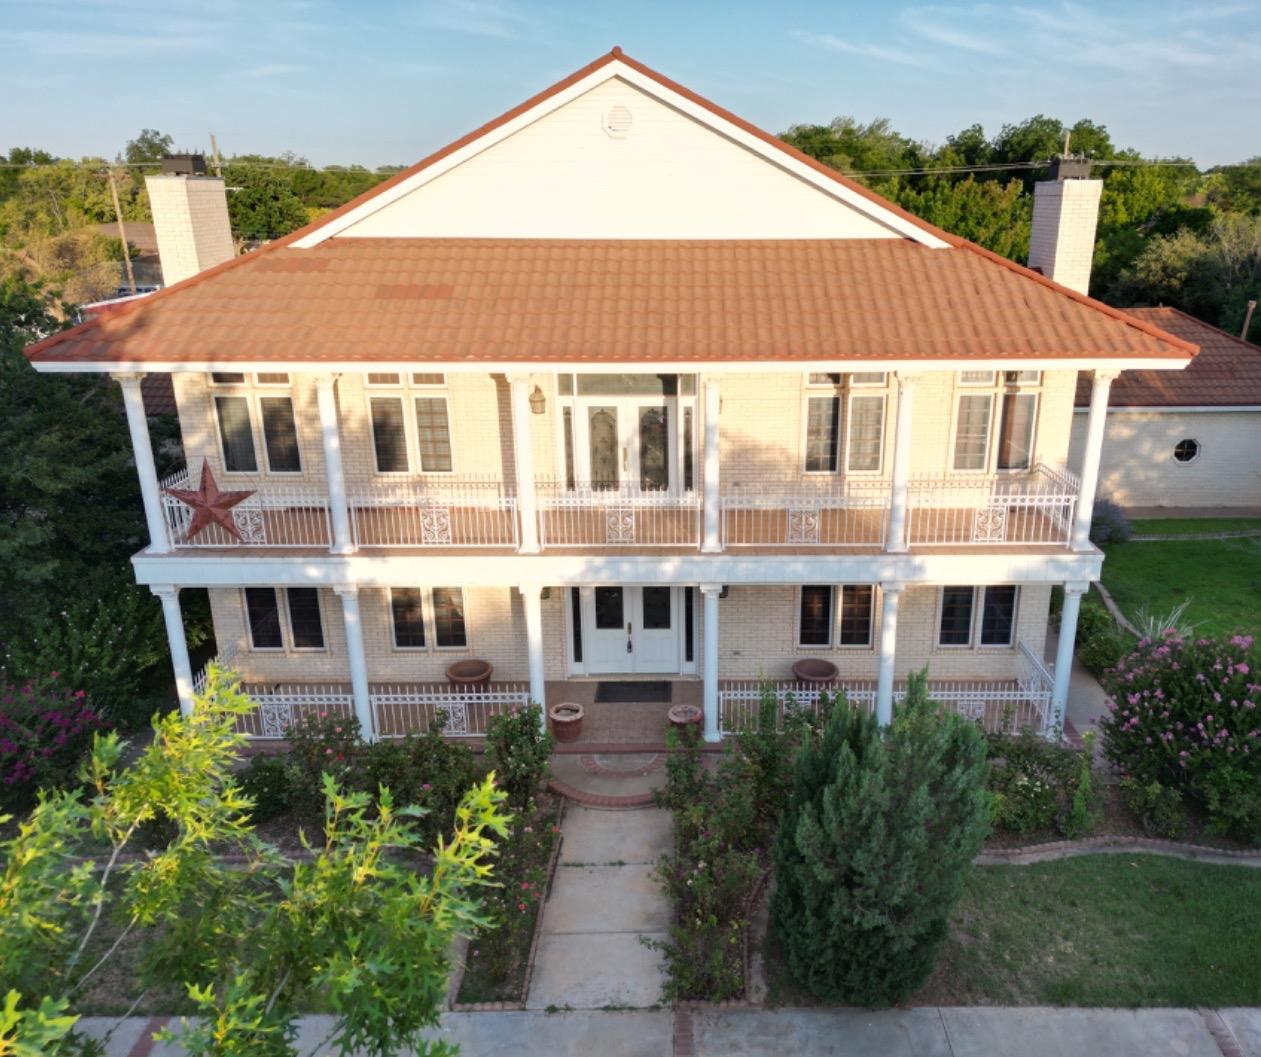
x,y
385,81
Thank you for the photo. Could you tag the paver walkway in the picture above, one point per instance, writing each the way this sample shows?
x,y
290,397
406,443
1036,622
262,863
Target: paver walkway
x,y
604,897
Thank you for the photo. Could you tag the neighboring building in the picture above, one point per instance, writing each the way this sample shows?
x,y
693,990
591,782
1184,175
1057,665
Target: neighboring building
x,y
620,386
1182,439
146,266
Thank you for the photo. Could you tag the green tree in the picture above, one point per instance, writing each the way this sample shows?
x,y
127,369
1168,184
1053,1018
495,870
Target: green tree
x,y
261,204
150,146
993,214
876,842
1237,188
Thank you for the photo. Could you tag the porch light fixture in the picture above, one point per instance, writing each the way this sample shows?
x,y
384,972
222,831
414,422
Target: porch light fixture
x,y
537,401
726,590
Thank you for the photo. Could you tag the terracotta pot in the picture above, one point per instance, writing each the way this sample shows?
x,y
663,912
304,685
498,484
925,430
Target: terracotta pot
x,y
566,720
684,716
469,673
815,670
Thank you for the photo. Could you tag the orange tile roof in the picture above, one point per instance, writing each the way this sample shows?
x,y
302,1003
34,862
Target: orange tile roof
x,y
1225,373
542,300
971,301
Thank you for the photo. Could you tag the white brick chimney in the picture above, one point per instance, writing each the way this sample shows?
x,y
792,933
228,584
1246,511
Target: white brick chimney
x,y
1065,214
190,218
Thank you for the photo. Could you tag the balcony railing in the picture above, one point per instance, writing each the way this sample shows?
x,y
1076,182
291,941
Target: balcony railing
x,y
1032,508
274,516
627,516
436,512
809,512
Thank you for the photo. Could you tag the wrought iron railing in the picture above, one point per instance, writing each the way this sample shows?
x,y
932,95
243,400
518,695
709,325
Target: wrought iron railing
x,y
435,512
587,515
807,512
1032,508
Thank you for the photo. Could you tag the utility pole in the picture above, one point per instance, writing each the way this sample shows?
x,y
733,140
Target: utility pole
x,y
214,152
122,232
1247,320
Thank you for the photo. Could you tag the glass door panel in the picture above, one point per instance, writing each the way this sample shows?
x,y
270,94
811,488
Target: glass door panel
x,y
603,444
654,449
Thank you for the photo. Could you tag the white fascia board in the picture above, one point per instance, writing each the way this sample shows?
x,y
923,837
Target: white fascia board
x,y
672,99
1185,409
982,566
607,367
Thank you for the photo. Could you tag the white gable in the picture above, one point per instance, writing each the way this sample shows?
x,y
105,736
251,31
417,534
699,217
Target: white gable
x,y
670,175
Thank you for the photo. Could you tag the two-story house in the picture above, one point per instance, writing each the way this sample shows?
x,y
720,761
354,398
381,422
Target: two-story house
x,y
620,386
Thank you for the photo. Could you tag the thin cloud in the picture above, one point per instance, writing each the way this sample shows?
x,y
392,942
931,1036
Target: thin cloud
x,y
482,18
830,42
271,69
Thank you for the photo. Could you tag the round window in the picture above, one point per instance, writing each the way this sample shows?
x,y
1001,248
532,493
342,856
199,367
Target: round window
x,y
1186,450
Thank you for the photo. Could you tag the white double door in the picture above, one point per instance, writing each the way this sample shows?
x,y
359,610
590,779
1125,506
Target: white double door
x,y
632,630
627,442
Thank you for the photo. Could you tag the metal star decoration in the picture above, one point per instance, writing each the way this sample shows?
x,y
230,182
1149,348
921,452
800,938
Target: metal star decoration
x,y
210,505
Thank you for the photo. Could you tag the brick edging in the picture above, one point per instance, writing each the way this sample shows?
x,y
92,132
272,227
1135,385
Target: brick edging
x,y
1109,603
1064,849
592,765
580,796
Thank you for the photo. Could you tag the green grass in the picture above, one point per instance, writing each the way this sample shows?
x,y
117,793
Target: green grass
x,y
1104,930
1222,579
1182,526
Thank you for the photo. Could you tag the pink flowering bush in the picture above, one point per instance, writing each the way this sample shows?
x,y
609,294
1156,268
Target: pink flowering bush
x,y
45,730
1186,712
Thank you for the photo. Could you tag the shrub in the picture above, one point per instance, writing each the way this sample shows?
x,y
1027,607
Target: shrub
x,y
1039,785
423,770
46,729
518,748
1101,643
876,842
265,782
1183,713
1108,524
1157,807
319,744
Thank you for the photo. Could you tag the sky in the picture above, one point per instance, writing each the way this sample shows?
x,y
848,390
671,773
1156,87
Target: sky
x,y
387,82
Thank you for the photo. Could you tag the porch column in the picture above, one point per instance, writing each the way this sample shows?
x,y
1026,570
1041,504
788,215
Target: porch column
x,y
890,592
1096,421
712,542
1064,653
349,594
523,457
330,435
710,658
169,596
897,539
142,447
531,596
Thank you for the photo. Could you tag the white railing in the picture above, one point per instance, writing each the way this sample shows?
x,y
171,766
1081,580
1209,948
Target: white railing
x,y
627,516
274,516
806,512
1031,508
1035,677
280,705
436,512
412,708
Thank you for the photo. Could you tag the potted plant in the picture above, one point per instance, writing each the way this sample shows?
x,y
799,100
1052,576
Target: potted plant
x,y
566,720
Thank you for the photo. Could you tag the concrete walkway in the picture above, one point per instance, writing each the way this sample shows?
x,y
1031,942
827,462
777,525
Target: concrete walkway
x,y
604,897
1087,701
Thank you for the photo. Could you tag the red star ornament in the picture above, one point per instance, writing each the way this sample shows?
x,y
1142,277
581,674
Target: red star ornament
x,y
209,505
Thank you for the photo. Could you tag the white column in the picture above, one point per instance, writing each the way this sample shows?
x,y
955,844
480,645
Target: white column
x,y
897,541
138,423
710,462
333,471
523,456
1096,422
358,659
710,659
890,592
1064,653
169,595
531,596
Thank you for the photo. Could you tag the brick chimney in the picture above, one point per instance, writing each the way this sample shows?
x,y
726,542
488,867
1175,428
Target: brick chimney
x,y
1065,213
190,218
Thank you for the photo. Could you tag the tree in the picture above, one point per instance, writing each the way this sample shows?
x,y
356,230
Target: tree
x,y
994,215
1237,188
150,146
359,925
261,205
876,842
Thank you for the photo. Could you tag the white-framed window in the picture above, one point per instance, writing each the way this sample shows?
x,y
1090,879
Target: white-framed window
x,y
1187,450
995,421
227,378
844,427
271,378
841,615
256,430
299,626
984,617
425,618
411,430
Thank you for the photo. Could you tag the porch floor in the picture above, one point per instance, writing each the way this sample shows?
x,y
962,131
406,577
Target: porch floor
x,y
618,724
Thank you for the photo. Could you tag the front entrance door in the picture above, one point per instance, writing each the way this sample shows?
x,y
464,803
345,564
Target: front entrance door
x,y
627,442
631,630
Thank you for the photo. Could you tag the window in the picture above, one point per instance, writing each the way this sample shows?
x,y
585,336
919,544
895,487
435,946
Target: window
x,y
429,379
1022,377
575,620
375,378
857,611
956,616
689,447
998,615
864,442
408,613
271,379
222,378
280,434
1015,431
567,428
235,434
608,608
389,439
972,431
433,434
1186,450
448,617
823,428
824,379
263,616
867,378
305,625
689,624
815,625
657,603
976,377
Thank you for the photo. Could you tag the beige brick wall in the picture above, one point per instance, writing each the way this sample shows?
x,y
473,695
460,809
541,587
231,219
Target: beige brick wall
x,y
1062,239
190,218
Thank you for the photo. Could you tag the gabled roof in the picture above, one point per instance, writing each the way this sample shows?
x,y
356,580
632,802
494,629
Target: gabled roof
x,y
817,299
1225,373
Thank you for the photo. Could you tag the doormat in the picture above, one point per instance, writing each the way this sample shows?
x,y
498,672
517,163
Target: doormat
x,y
612,693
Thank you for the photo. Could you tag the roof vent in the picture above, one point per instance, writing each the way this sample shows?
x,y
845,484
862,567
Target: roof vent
x,y
618,121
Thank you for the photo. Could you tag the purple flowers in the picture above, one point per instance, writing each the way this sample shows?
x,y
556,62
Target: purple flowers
x,y
47,729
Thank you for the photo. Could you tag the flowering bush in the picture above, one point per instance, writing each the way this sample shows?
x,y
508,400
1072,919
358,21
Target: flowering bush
x,y
420,769
45,730
518,747
320,744
1039,785
1184,712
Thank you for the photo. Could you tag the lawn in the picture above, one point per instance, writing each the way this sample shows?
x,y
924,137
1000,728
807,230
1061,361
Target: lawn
x,y
1104,930
1183,526
1221,578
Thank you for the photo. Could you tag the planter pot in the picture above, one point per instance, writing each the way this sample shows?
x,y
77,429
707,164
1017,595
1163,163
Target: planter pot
x,y
566,720
685,717
469,673
815,670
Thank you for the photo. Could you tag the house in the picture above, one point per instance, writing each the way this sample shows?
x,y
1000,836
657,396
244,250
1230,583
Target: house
x,y
1183,439
620,387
